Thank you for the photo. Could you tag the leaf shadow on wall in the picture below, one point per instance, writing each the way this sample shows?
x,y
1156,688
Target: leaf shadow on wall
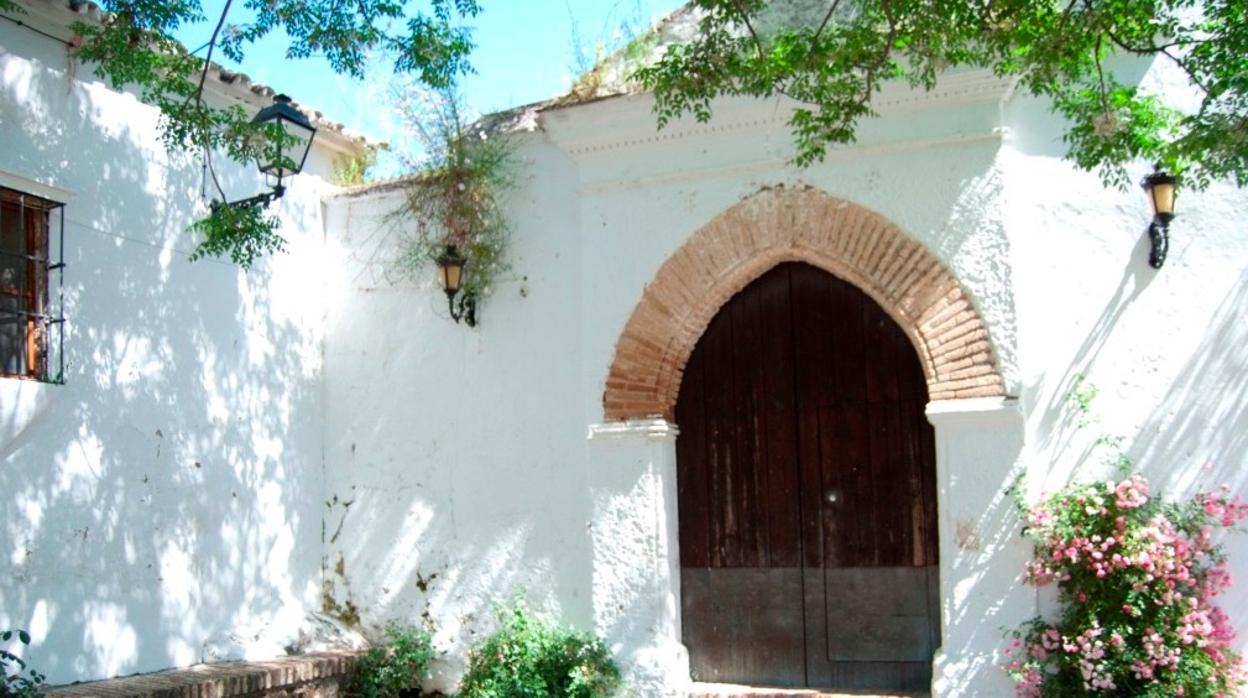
x,y
1196,439
161,499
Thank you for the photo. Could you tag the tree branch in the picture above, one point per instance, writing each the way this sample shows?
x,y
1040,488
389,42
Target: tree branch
x,y
1164,50
1100,76
212,44
745,18
826,19
887,48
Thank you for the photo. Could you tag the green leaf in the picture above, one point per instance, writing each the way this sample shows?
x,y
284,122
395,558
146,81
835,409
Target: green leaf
x,y
1059,50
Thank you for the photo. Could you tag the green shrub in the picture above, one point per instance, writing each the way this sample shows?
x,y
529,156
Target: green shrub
x,y
396,668
528,658
19,680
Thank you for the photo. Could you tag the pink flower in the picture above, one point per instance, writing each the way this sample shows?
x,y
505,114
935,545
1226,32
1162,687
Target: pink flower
x,y
1132,493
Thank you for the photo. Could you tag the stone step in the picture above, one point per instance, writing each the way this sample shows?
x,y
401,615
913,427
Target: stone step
x,y
723,690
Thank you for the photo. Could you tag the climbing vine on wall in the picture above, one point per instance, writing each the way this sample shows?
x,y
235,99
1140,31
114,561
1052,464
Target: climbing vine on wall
x,y
462,171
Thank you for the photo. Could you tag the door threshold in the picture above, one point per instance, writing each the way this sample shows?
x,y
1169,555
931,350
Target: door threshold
x,y
725,690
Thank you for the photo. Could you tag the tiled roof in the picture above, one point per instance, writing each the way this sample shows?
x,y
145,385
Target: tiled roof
x,y
221,82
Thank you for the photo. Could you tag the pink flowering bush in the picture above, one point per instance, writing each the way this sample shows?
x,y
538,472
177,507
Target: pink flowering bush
x,y
1136,580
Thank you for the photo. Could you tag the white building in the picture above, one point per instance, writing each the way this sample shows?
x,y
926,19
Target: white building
x,y
231,451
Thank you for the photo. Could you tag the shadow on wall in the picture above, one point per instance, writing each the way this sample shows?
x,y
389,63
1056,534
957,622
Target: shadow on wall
x,y
982,555
1197,437
165,496
455,458
1204,414
1059,422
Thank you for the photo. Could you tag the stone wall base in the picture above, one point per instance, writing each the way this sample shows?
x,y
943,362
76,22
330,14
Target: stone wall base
x,y
305,676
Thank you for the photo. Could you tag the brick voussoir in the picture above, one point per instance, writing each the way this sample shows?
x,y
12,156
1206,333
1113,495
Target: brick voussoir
x,y
777,225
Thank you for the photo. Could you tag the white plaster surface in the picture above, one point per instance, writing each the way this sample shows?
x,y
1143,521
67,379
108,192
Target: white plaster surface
x,y
1052,260
233,451
163,505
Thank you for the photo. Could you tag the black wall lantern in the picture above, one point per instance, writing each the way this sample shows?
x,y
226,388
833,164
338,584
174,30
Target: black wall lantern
x,y
1160,187
451,265
284,159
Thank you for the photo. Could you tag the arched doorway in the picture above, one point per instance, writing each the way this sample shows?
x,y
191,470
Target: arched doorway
x,y
806,492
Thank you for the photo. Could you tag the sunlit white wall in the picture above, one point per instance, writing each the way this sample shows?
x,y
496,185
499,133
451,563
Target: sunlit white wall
x,y
468,475
163,505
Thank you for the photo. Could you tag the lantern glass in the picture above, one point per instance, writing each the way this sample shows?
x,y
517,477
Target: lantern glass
x,y
451,269
1160,187
288,158
1163,198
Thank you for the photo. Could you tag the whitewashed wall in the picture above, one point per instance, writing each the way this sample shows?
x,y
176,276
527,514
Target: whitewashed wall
x,y
232,451
462,451
163,505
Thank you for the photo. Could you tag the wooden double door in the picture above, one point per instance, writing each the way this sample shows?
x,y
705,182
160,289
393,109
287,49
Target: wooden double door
x,y
806,478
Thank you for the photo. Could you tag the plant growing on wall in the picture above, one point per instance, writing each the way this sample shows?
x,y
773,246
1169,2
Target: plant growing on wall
x,y
1136,578
397,667
134,46
20,681
833,57
461,173
528,657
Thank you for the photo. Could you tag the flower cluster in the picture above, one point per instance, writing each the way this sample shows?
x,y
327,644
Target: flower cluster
x,y
1136,581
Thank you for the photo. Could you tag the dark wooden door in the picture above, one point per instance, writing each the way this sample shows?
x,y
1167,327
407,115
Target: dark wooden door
x,y
806,479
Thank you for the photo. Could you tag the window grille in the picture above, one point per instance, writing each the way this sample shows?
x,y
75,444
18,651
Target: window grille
x,y
32,299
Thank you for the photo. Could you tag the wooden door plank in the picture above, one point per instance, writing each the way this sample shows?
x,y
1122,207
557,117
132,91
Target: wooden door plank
x,y
691,475
842,454
814,385
721,443
848,355
781,504
747,374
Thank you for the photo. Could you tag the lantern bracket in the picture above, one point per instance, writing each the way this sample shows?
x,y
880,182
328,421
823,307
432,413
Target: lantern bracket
x,y
464,307
260,199
1159,236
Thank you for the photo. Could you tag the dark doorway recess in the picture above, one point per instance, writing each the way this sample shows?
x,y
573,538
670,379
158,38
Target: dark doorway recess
x,y
806,475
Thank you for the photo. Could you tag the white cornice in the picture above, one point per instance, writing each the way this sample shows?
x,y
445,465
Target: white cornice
x,y
974,410
634,430
618,123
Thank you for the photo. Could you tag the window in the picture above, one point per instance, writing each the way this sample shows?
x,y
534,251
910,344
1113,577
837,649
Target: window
x,y
31,335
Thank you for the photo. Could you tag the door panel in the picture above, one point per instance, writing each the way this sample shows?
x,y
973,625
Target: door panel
x,y
877,614
803,442
745,625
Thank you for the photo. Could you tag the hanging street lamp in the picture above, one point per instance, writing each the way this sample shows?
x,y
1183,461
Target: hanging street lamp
x,y
451,265
284,159
1160,187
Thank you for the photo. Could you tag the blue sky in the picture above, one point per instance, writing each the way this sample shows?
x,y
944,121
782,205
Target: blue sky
x,y
526,51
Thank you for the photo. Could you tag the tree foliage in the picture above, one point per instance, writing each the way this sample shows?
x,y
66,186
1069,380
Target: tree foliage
x,y
134,45
835,57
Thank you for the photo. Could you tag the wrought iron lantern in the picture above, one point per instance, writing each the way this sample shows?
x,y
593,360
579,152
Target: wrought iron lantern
x,y
1160,187
451,265
286,158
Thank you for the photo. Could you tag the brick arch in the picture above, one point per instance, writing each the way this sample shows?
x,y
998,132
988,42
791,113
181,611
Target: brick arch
x,y
797,225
